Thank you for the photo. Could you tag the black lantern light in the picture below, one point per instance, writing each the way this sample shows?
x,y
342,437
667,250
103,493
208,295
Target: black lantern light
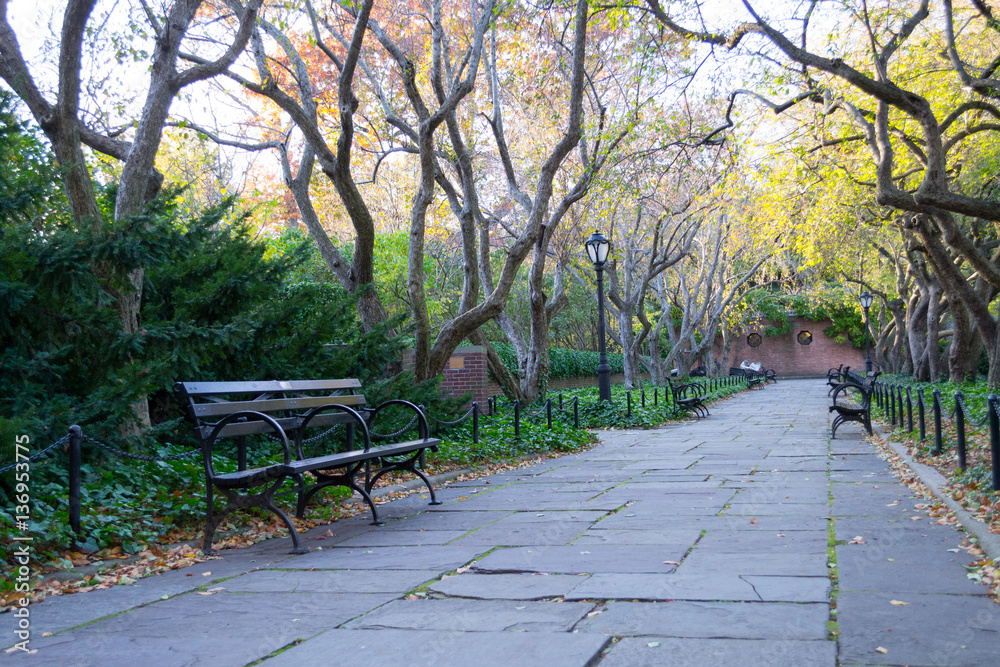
x,y
597,249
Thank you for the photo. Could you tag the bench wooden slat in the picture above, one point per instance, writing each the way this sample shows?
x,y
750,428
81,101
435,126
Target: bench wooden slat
x,y
287,424
340,459
244,479
263,386
271,404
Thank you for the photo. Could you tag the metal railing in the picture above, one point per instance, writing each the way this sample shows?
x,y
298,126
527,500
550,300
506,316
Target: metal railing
x,y
892,401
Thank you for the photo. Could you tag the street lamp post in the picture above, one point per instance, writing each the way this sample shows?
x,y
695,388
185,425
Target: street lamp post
x,y
597,249
866,303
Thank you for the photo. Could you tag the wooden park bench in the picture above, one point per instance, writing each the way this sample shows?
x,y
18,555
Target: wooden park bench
x,y
687,396
852,401
754,378
270,419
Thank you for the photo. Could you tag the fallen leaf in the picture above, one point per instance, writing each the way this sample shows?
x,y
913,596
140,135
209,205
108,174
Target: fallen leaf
x,y
754,520
206,574
857,540
898,603
670,562
881,650
653,644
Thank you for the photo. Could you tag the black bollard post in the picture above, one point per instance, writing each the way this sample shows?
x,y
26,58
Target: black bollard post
x,y
892,405
475,422
921,417
75,461
548,412
937,421
960,428
656,396
576,412
993,405
909,410
628,399
642,396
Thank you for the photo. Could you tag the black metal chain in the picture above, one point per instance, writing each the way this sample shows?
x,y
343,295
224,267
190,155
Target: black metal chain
x,y
968,415
36,455
441,421
386,436
140,457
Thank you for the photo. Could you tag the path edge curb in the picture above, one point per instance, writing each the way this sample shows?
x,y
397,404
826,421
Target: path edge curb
x,y
935,481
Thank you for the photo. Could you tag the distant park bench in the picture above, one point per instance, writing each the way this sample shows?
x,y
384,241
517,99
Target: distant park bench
x,y
852,401
688,396
754,378
281,412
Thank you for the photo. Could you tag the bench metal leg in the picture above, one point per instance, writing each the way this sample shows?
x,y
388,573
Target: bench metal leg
x,y
410,465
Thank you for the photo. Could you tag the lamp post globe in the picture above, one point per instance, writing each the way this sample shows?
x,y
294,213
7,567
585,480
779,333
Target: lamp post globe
x,y
866,303
597,247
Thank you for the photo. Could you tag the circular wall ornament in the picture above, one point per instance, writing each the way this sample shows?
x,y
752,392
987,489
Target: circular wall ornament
x,y
754,340
804,338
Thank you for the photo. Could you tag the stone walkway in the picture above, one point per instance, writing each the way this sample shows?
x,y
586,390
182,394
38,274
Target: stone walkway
x,y
726,541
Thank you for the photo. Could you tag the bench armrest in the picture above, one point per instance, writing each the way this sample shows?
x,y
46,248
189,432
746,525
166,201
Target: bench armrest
x,y
866,394
209,442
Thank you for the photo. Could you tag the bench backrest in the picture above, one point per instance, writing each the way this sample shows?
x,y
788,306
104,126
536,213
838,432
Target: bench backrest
x,y
206,404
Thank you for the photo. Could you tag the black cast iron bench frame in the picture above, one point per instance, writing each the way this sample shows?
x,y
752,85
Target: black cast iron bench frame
x,y
860,413
283,411
686,397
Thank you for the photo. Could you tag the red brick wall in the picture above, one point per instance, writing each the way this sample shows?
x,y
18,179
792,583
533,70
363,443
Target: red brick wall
x,y
790,358
465,372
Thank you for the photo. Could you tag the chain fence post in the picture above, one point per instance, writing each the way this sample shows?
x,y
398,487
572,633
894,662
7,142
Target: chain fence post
x,y
921,417
992,406
892,405
475,422
937,422
656,396
75,462
548,412
576,412
628,399
899,402
560,400
642,396
960,428
909,410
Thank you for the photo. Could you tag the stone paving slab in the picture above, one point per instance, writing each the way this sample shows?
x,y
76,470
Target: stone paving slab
x,y
761,542
710,564
678,586
508,586
692,652
329,581
673,538
582,559
386,558
930,630
458,615
724,620
445,649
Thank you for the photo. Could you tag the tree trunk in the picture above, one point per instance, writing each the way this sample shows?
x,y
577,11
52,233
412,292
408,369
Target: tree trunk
x,y
963,357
